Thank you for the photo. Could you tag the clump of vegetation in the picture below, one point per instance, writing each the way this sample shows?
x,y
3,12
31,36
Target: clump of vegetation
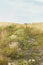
x,y
23,44
3,60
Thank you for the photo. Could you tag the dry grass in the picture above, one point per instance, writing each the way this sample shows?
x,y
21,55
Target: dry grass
x,y
38,26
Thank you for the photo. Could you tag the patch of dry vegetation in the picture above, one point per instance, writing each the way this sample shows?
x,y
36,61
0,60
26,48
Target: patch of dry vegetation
x,y
21,43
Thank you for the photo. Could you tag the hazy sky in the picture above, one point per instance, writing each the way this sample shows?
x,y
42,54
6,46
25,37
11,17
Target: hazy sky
x,y
21,11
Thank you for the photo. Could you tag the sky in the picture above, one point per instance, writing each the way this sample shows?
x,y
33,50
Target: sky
x,y
21,11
